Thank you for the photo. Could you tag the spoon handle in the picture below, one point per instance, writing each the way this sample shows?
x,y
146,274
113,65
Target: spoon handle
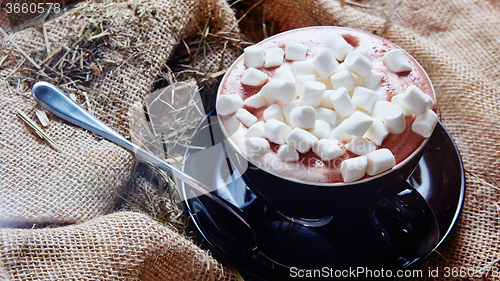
x,y
55,101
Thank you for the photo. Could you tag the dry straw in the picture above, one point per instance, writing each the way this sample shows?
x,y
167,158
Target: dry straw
x,y
79,60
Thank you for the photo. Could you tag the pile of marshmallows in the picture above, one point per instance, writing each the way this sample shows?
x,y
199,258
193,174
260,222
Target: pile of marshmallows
x,y
302,114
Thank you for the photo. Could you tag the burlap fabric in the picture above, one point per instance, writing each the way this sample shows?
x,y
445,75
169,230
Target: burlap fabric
x,y
87,178
106,248
455,41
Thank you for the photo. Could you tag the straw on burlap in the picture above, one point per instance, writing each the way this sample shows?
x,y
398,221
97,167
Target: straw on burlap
x,y
89,176
455,41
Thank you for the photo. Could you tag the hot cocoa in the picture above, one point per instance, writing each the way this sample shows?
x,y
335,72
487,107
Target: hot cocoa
x,y
326,105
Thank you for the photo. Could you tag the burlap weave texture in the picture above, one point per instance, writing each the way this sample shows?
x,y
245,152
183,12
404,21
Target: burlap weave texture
x,y
106,249
89,176
456,42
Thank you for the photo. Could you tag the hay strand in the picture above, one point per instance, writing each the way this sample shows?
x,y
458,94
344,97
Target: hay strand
x,y
38,130
46,39
244,15
389,18
489,265
483,181
19,49
42,117
2,60
25,240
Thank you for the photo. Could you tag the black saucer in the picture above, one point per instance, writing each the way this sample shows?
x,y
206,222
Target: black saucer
x,y
439,177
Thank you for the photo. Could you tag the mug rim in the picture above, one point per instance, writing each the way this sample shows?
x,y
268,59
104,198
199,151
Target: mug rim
x,y
323,184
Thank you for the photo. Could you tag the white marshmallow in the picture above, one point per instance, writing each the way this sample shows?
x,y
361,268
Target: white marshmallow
x,y
295,51
274,57
353,168
379,161
273,112
282,90
357,124
327,82
338,133
377,132
358,64
430,104
394,119
312,93
256,147
396,61
341,67
327,115
228,104
372,81
378,109
327,149
253,77
360,146
287,108
339,47
364,98
364,53
425,123
257,130
301,140
267,94
276,131
415,100
301,80
344,79
287,153
303,117
254,56
342,102
284,72
321,129
231,124
305,67
397,100
326,102
325,63
256,101
247,118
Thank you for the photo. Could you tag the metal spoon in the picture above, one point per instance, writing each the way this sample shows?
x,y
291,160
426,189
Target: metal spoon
x,y
55,101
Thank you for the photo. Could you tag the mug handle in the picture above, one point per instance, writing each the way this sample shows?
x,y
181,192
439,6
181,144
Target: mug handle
x,y
405,220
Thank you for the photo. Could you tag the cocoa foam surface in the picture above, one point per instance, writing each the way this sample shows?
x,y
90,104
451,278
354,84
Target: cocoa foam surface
x,y
309,167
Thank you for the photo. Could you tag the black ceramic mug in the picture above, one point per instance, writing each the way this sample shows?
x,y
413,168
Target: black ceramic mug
x,y
397,210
